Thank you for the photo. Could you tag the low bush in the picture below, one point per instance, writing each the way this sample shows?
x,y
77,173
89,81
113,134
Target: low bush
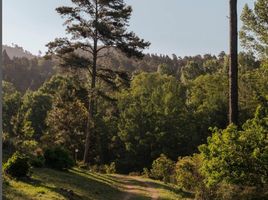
x,y
110,169
146,173
17,166
188,174
235,192
58,158
162,169
189,177
98,169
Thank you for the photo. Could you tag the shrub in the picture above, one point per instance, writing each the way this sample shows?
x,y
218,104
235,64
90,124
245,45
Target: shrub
x,y
187,172
162,168
189,178
146,173
110,169
234,192
236,159
28,146
37,161
98,169
58,158
17,166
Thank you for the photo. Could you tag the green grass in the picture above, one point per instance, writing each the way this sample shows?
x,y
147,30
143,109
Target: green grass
x,y
48,184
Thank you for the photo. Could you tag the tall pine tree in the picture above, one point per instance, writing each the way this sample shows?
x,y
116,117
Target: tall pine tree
x,y
95,26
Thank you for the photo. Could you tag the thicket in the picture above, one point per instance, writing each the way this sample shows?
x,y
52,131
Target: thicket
x,y
17,166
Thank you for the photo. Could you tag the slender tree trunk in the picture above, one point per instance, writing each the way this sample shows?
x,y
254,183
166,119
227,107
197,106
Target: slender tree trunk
x,y
233,67
91,118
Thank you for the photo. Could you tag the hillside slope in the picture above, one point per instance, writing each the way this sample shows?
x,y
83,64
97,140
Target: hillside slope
x,y
81,185
17,51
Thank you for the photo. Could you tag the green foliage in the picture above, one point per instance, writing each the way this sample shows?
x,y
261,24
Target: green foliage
x,y
235,192
162,169
207,96
66,123
17,166
110,169
58,158
191,71
254,30
66,87
28,146
165,69
109,27
34,112
247,62
238,157
152,119
146,173
187,173
11,104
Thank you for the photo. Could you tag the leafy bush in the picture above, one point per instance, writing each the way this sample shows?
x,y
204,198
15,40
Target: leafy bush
x,y
189,178
98,169
235,192
162,168
58,158
110,169
17,166
238,157
187,173
146,173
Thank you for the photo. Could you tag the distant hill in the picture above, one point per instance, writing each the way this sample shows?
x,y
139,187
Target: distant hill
x,y
17,51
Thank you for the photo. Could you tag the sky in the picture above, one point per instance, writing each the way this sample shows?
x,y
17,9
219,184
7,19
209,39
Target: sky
x,y
181,27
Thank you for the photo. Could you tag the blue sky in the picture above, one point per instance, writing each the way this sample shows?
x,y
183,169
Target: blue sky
x,y
182,27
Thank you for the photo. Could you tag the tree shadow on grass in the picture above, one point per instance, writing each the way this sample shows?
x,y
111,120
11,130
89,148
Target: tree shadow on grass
x,y
14,195
172,188
74,185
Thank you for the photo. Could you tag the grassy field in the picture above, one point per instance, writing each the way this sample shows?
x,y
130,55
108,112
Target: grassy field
x,y
76,184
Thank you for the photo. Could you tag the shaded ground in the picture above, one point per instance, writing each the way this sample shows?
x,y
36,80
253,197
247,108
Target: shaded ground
x,y
47,184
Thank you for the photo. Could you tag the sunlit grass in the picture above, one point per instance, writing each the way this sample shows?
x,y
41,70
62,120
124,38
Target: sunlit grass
x,y
76,184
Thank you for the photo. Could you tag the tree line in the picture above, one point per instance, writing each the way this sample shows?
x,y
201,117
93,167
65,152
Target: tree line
x,y
112,108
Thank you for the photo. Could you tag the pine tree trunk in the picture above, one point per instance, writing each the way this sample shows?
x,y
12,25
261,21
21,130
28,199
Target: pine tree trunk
x,y
89,144
233,67
91,121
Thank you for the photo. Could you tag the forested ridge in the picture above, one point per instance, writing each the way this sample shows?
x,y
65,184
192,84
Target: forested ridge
x,y
165,117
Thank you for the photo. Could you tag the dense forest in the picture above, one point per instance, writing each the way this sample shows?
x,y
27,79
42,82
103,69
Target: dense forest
x,y
163,116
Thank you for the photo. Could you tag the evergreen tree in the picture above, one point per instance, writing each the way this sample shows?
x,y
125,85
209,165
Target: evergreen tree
x,y
254,32
95,26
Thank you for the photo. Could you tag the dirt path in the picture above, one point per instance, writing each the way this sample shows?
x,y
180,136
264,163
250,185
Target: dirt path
x,y
149,187
136,186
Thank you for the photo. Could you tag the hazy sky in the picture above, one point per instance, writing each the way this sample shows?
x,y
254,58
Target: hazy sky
x,y
183,27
